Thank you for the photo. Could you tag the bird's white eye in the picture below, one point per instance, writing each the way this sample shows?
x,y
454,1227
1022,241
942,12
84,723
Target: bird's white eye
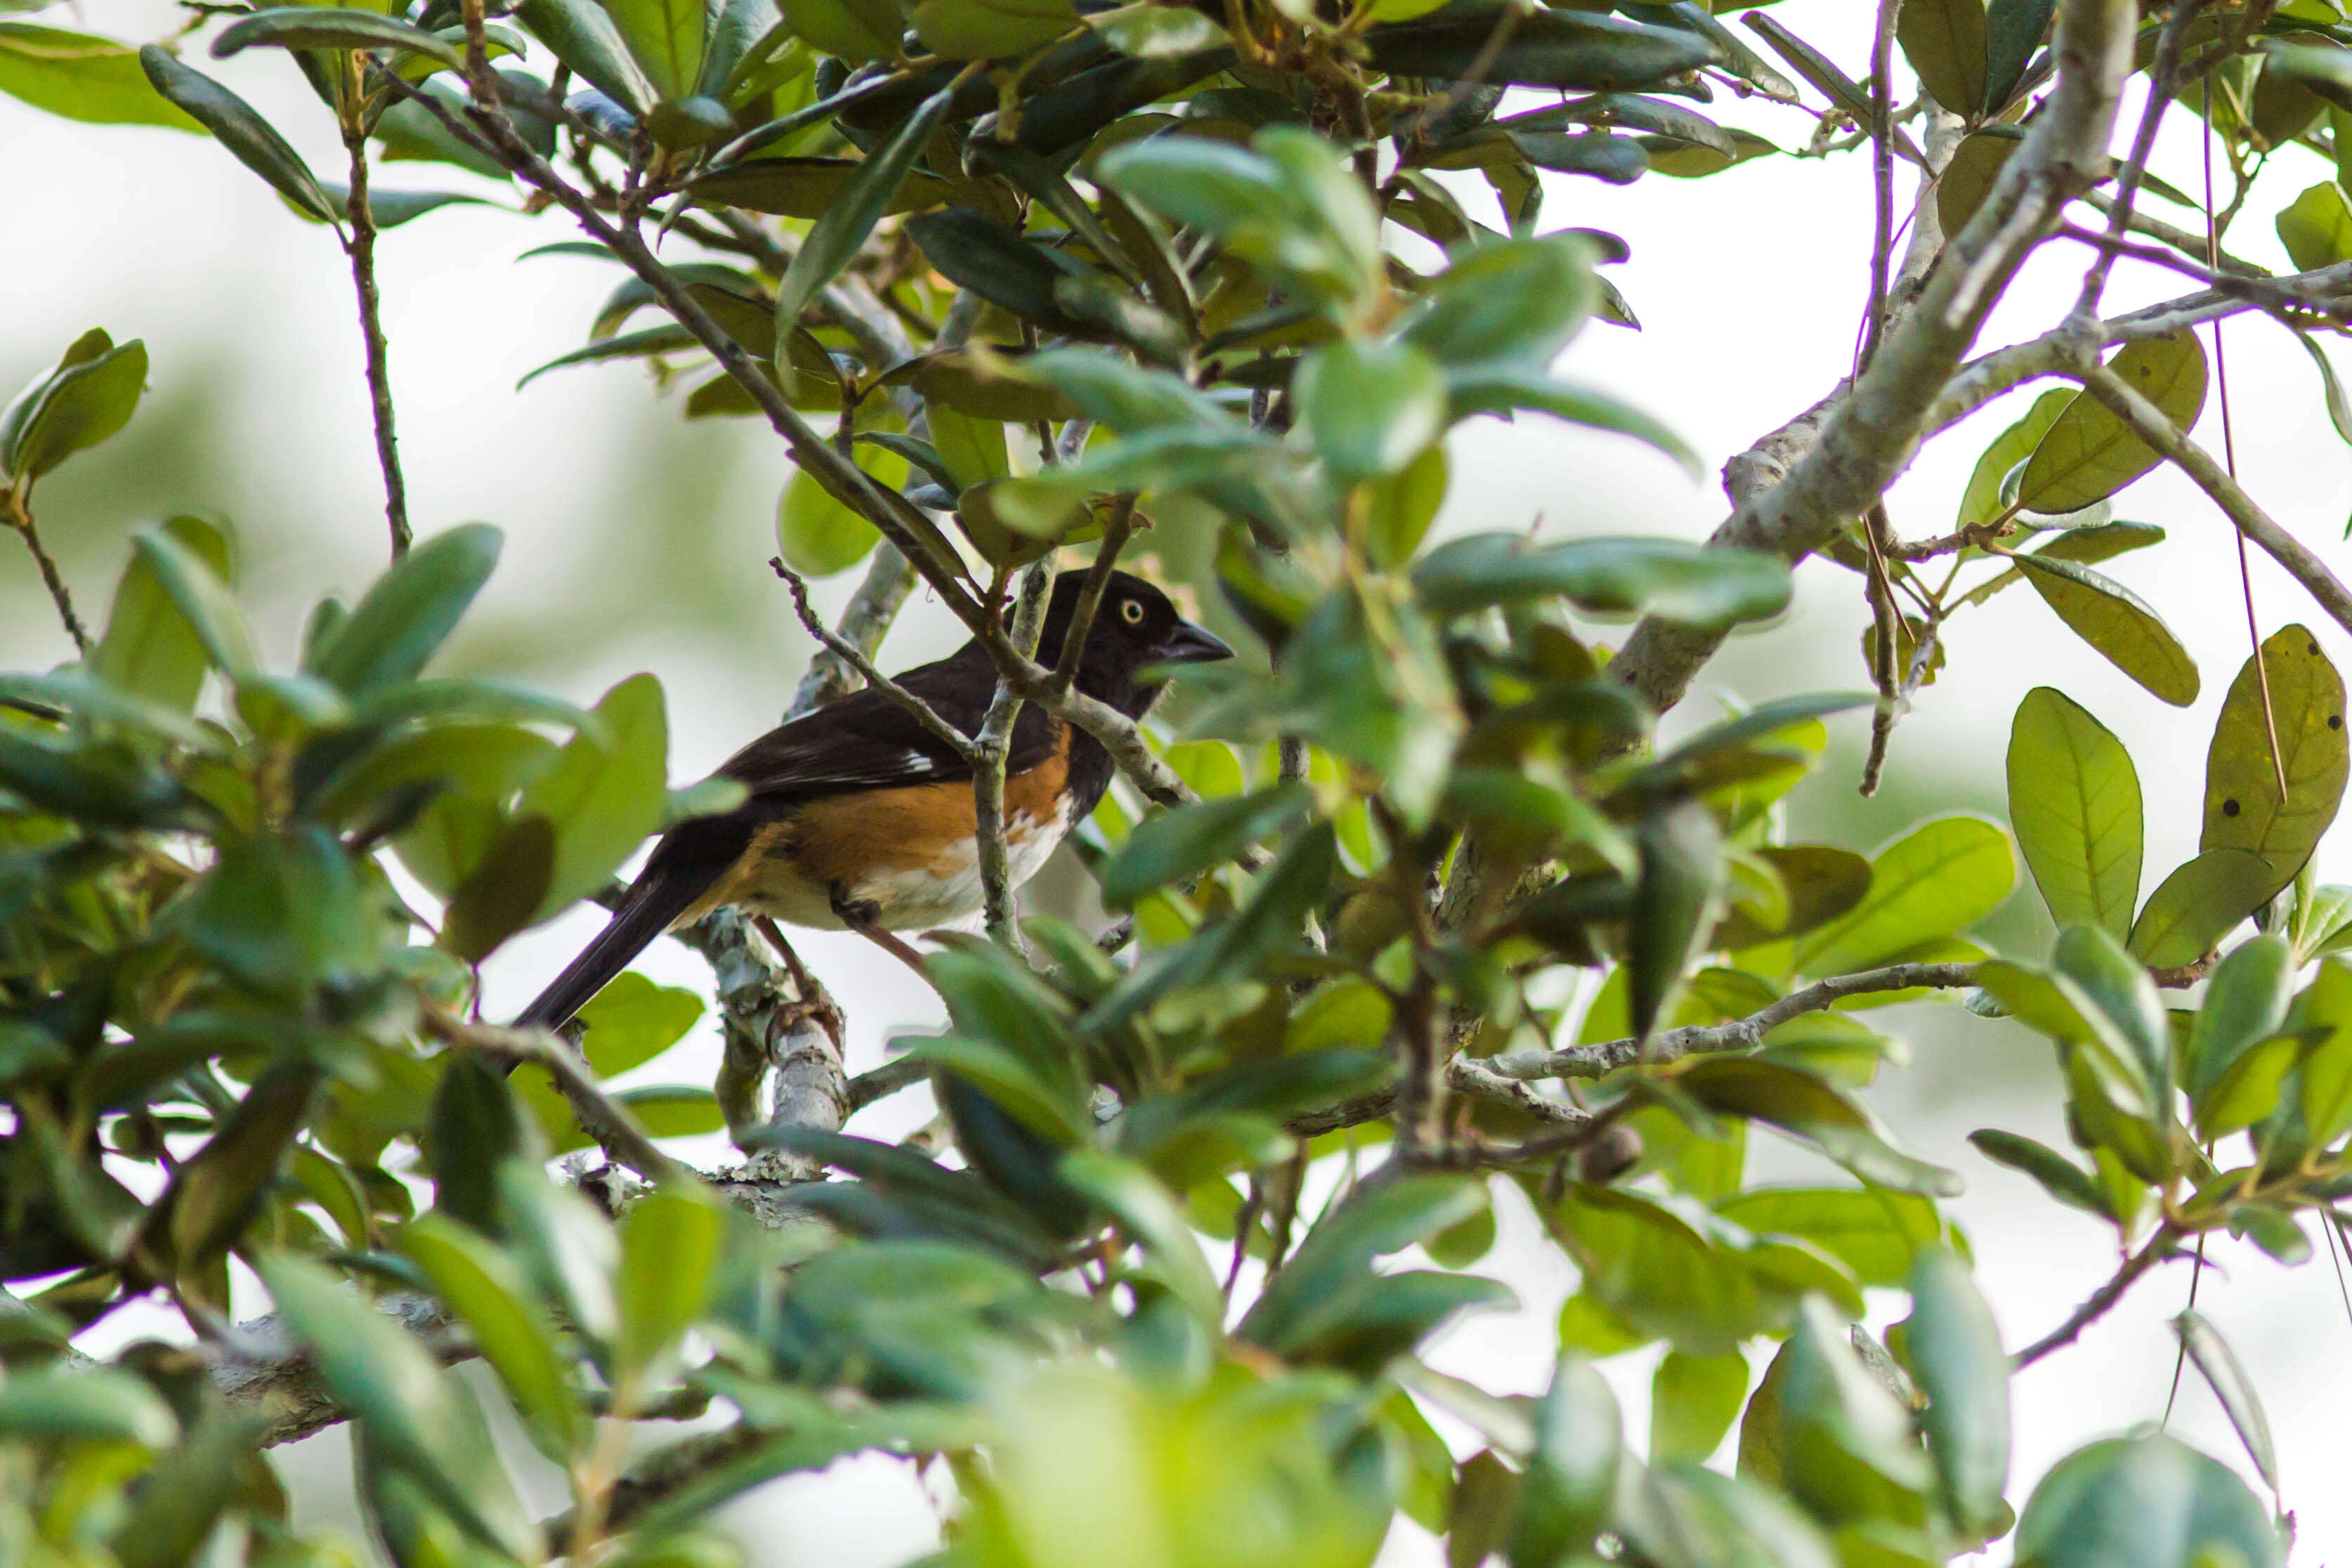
x,y
1132,611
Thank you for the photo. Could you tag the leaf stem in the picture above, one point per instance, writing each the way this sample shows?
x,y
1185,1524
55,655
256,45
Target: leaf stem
x,y
360,245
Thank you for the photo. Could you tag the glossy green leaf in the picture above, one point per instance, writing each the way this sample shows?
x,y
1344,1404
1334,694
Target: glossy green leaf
x,y
2144,1502
1567,1490
413,606
1846,1449
2246,1002
1939,880
1693,1402
417,1418
2316,227
88,397
669,1264
664,37
1500,389
1981,503
148,647
2219,1365
1809,1106
2075,805
1816,68
836,236
1953,1349
474,1127
990,29
325,27
2201,902
238,127
1945,40
2113,981
2325,1094
1329,1276
1676,900
675,1111
1875,1233
1664,577
97,1405
817,535
1370,408
2090,453
605,796
1168,849
2015,30
1513,299
582,34
2056,1175
1146,1211
1579,50
490,1295
808,187
633,1020
281,912
858,31
2244,808
95,81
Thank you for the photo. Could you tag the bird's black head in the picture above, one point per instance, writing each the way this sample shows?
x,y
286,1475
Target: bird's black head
x,y
1135,627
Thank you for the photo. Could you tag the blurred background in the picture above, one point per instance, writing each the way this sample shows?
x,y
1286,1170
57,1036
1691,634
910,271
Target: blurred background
x,y
636,540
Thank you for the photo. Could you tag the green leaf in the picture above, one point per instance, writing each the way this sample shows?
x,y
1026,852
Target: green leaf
x,y
85,399
1817,69
1875,1233
282,913
1939,880
1175,845
1810,1107
390,633
1370,408
503,891
1953,1349
991,29
605,796
95,1405
238,127
2244,809
2118,623
1664,577
2113,981
2144,1502
2075,805
2331,390
675,1111
1146,1211
1981,503
1693,1402
1330,1275
836,236
1162,32
1509,300
489,1292
326,27
1500,389
95,81
2219,1365
2316,227
2056,1175
633,1020
2014,29
581,35
817,535
566,1243
1976,165
1675,901
417,1418
1567,1492
808,187
2201,902
474,1127
2090,453
149,648
664,37
2246,1002
669,1265
1945,40
857,31
1577,49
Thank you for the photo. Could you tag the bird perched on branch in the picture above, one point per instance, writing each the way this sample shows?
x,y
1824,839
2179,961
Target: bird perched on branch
x,y
859,817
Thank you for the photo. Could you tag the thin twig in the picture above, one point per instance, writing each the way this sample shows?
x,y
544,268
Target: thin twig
x,y
989,755
879,1083
1116,529
1740,1034
2102,1300
852,656
2149,423
2163,82
1882,181
16,511
610,1123
864,620
361,247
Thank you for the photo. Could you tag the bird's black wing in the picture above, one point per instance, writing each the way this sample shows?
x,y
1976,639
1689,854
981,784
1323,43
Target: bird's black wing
x,y
861,741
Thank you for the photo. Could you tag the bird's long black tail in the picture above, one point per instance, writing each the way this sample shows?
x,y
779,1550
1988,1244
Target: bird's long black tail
x,y
660,895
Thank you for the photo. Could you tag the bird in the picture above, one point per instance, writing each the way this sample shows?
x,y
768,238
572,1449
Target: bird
x,y
857,817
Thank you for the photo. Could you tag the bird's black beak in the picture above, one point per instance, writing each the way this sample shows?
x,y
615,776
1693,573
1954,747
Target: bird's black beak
x,y
1189,644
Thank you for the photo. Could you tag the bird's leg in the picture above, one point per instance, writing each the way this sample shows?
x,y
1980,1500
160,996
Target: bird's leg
x,y
814,1000
860,917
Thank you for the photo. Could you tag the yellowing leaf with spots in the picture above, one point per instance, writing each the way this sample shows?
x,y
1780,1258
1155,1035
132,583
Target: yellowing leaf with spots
x,y
2244,809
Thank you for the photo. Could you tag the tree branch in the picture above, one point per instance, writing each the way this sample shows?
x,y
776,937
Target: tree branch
x,y
989,756
1871,434
2148,422
863,622
610,1123
361,247
2102,1300
855,658
1739,1034
16,511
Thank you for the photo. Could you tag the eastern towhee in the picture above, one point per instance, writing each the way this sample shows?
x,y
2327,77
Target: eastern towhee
x,y
860,818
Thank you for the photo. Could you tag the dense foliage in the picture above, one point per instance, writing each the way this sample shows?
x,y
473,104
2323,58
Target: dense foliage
x,y
1417,905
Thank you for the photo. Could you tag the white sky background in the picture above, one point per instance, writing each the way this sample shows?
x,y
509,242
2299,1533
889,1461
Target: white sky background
x,y
1749,286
